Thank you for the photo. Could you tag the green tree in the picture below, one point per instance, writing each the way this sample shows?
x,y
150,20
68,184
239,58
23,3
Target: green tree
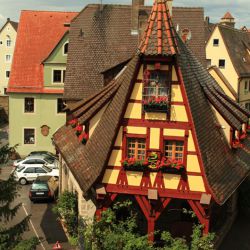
x,y
9,236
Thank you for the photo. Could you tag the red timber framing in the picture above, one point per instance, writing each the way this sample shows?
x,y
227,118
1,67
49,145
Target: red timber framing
x,y
152,209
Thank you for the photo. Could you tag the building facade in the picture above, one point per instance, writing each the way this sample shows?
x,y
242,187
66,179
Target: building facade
x,y
35,97
228,50
160,134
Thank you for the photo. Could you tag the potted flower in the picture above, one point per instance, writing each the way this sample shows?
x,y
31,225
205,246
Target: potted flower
x,y
73,122
171,166
154,104
133,164
83,137
236,144
78,129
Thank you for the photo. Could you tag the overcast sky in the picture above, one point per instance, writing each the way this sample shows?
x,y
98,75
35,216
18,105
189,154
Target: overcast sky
x,y
215,9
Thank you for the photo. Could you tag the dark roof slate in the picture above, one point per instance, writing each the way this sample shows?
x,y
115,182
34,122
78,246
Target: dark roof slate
x,y
238,44
99,40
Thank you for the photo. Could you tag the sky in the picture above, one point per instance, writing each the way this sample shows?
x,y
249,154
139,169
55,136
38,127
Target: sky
x,y
214,9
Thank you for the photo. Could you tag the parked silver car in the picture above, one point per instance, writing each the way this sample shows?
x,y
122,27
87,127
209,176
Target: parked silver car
x,y
27,174
37,160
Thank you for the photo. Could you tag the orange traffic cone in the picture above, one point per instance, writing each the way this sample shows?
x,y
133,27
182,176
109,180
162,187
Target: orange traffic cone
x,y
57,246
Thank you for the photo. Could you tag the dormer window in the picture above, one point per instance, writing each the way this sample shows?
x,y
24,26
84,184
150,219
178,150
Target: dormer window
x,y
156,91
65,48
216,42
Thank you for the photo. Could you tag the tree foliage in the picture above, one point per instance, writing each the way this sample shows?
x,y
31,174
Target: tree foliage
x,y
9,236
111,233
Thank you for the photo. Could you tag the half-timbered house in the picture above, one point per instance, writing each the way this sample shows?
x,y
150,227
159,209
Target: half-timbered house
x,y
162,134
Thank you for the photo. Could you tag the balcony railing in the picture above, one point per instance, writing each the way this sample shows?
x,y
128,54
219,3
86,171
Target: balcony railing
x,y
156,99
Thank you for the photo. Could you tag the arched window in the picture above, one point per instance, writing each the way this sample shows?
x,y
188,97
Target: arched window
x,y
8,41
65,48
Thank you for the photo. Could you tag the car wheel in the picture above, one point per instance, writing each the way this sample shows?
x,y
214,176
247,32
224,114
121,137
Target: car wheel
x,y
23,181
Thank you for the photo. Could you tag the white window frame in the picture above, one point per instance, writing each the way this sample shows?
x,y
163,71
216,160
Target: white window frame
x,y
52,76
29,113
35,137
8,40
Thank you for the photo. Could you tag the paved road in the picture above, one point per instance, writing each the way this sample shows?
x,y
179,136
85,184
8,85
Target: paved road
x,y
43,221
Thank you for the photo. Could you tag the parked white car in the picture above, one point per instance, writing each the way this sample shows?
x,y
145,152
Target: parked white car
x,y
37,160
27,174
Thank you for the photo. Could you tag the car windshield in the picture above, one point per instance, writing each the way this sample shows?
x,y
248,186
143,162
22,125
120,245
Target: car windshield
x,y
19,169
47,169
37,186
50,160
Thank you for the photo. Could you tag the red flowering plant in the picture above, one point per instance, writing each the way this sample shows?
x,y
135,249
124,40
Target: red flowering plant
x,y
236,144
243,135
78,129
73,122
83,137
171,165
156,103
134,164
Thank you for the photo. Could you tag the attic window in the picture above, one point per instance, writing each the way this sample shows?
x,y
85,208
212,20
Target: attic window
x,y
247,106
8,42
222,63
65,48
29,105
156,91
216,42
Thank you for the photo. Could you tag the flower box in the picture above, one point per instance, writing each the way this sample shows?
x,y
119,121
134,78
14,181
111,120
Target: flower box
x,y
156,104
131,164
83,138
73,123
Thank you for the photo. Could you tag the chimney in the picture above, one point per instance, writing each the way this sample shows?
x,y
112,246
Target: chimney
x,y
228,20
136,4
170,7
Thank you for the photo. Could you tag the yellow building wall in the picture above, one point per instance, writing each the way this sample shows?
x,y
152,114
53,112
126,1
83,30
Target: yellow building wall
x,y
171,181
137,92
95,120
174,132
221,83
110,176
176,95
134,178
178,113
118,141
191,145
136,130
220,52
4,50
115,158
156,116
193,164
133,111
174,75
154,138
140,74
196,183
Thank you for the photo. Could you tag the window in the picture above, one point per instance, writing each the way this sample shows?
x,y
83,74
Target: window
x,y
5,91
65,48
40,171
40,162
7,58
247,106
216,42
29,136
59,76
60,105
29,170
174,150
29,162
7,73
28,105
8,42
209,62
222,63
136,148
156,90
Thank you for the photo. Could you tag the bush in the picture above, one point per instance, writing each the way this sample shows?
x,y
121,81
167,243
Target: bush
x,y
27,244
67,208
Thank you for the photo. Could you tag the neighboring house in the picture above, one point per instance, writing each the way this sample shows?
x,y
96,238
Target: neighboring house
x,y
7,44
162,134
229,49
101,43
36,84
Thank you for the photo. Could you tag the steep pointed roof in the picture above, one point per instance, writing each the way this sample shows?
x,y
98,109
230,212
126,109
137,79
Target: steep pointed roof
x,y
227,16
159,36
224,168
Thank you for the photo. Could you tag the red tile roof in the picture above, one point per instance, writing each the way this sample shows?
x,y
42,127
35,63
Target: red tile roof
x,y
159,37
38,34
228,16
